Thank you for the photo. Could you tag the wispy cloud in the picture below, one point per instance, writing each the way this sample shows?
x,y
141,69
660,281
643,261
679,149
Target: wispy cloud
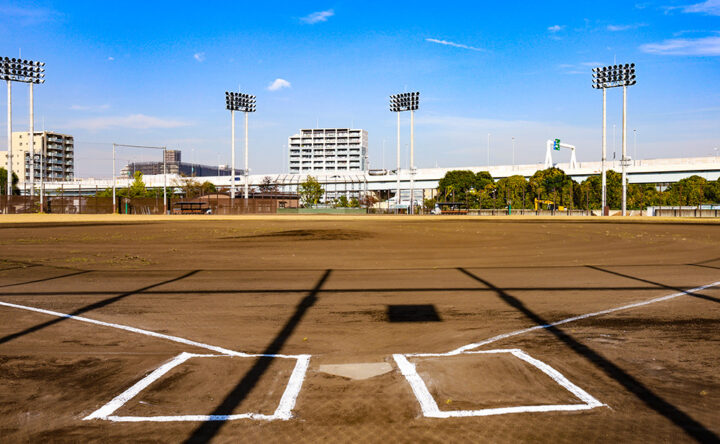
x,y
578,68
278,84
710,7
703,46
317,17
111,58
27,15
617,28
133,121
90,107
556,28
199,56
455,45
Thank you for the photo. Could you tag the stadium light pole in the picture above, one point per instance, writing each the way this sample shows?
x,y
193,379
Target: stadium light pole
x,y
24,71
399,103
614,76
244,103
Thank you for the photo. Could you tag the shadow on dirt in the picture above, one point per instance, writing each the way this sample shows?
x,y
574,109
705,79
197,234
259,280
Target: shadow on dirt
x,y
691,427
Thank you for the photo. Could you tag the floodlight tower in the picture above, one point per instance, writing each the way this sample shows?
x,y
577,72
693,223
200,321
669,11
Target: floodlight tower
x,y
611,77
399,103
246,104
25,71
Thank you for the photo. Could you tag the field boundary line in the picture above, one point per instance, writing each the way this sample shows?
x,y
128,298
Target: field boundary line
x,y
283,411
469,347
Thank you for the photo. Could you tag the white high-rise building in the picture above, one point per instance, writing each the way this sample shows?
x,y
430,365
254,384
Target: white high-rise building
x,y
328,149
58,152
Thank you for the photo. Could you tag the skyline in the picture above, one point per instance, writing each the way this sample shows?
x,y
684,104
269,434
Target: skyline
x,y
160,78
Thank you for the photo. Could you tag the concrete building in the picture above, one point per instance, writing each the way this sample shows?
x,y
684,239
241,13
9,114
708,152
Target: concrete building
x,y
176,167
58,152
328,149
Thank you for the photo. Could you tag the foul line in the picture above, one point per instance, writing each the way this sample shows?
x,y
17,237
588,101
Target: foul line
x,y
469,347
283,411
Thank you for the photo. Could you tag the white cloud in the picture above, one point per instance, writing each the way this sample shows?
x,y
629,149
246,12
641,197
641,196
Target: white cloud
x,y
556,28
710,7
453,44
278,84
111,58
199,56
317,17
704,46
89,107
579,68
616,28
133,121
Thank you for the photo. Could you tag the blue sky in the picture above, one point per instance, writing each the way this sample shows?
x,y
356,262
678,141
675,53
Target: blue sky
x,y
155,73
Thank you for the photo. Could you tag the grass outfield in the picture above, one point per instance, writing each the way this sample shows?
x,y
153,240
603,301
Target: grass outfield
x,y
358,328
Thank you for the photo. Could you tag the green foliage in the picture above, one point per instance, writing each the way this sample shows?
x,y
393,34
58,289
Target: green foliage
x,y
464,186
354,203
342,202
310,191
3,182
480,191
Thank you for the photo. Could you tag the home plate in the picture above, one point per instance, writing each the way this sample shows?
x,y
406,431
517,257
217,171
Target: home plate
x,y
357,371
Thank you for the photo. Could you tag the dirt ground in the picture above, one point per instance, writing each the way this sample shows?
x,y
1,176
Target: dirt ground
x,y
358,290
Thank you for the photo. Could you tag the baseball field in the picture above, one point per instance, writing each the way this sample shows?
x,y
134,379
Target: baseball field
x,y
358,329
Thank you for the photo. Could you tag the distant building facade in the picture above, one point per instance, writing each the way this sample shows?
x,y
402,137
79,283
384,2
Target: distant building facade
x,y
328,149
174,165
58,153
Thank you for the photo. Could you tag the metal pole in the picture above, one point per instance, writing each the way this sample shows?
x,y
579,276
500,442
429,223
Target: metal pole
x,y
412,162
513,146
624,153
397,172
165,200
604,153
9,140
113,182
32,143
247,175
232,157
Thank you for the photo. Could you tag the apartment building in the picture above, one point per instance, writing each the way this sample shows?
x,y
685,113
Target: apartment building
x,y
58,150
328,149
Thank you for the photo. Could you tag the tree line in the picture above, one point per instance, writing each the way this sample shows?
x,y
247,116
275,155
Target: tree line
x,y
480,190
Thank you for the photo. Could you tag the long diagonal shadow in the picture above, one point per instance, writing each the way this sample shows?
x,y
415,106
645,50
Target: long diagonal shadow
x,y
90,307
207,430
690,426
657,284
46,279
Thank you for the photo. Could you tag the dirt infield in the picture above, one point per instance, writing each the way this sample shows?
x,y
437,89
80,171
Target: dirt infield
x,y
216,329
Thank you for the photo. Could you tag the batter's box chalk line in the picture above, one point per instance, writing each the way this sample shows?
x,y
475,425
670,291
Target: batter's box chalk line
x,y
430,408
283,410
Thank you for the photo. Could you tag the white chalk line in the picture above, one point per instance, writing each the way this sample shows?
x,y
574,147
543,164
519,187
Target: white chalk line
x,y
283,411
430,409
469,347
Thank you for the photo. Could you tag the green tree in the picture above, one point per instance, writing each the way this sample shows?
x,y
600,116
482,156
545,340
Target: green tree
x,y
553,184
514,189
208,187
3,182
354,202
689,191
342,202
137,187
310,191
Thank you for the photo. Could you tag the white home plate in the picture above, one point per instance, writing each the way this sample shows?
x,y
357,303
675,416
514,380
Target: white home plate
x,y
357,371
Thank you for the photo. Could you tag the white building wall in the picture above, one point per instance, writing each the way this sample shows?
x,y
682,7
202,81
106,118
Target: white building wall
x,y
328,150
